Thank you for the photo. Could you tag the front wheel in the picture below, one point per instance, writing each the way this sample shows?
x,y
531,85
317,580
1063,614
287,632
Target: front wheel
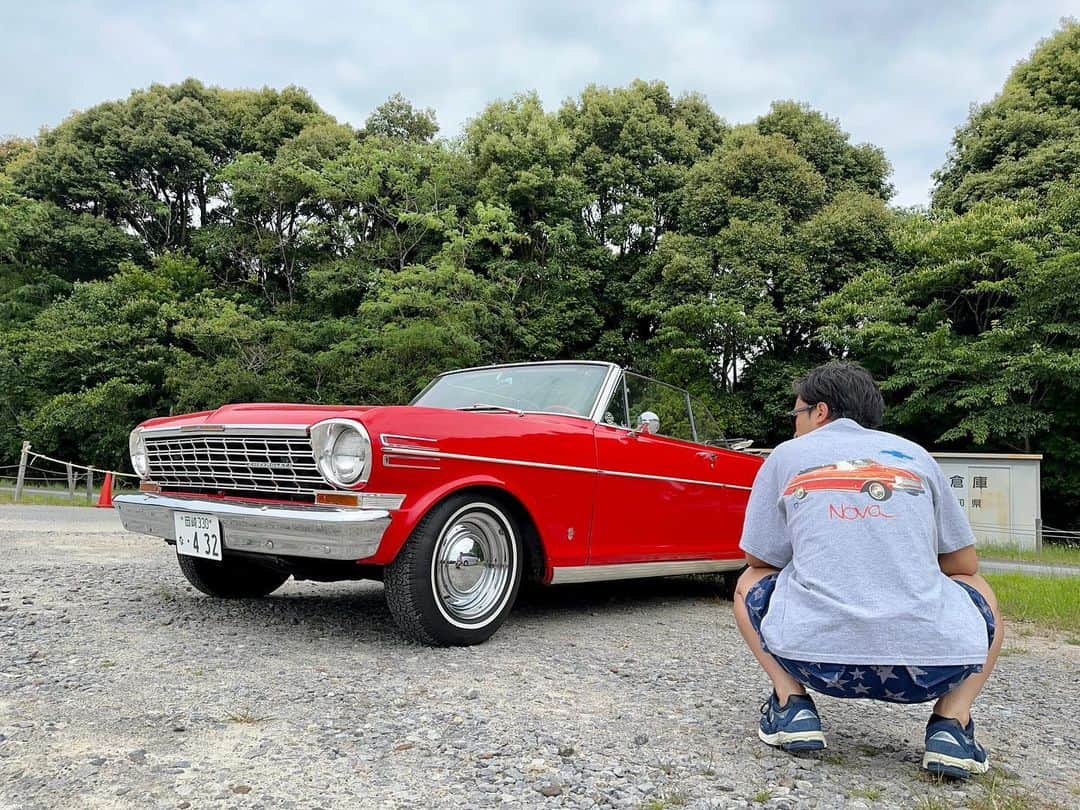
x,y
457,576
878,491
232,577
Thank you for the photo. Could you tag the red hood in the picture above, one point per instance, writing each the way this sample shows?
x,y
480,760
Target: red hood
x,y
260,413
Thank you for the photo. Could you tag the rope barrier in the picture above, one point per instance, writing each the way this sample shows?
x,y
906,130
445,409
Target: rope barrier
x,y
82,466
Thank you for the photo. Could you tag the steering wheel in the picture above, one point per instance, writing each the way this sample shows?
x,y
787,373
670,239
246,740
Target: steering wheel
x,y
561,409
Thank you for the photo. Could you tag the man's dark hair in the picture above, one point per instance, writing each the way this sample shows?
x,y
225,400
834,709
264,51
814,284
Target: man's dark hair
x,y
847,388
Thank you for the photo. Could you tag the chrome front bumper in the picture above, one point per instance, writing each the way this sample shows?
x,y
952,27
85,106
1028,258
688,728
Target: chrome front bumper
x,y
324,532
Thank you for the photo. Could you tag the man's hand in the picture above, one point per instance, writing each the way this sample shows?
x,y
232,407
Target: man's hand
x,y
961,561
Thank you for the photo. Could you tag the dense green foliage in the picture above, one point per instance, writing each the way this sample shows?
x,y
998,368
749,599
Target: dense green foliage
x,y
1024,139
191,246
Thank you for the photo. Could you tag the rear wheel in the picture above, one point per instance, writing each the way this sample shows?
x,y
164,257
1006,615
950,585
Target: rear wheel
x,y
232,577
457,576
729,581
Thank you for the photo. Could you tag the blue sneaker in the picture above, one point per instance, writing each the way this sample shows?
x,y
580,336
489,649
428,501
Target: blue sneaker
x,y
795,726
951,749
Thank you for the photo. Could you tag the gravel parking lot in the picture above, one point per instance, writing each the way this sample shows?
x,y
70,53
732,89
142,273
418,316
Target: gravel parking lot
x,y
121,687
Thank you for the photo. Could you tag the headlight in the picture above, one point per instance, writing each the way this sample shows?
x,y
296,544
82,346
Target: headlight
x,y
342,450
137,447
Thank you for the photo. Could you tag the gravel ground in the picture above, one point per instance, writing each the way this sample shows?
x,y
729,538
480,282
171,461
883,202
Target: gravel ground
x,y
120,687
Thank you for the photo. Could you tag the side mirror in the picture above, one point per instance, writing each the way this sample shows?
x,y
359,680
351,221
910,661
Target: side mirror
x,y
739,444
648,422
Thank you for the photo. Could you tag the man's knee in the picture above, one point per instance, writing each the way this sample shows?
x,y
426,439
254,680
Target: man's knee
x,y
983,587
749,578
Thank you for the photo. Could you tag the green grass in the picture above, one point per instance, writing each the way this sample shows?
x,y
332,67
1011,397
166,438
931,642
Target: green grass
x,y
1052,602
997,794
38,499
931,803
57,496
869,793
1048,554
668,800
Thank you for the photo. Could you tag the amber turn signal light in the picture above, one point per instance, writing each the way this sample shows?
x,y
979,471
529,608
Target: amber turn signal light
x,y
337,498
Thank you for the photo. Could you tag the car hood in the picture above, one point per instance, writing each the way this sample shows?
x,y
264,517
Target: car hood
x,y
260,413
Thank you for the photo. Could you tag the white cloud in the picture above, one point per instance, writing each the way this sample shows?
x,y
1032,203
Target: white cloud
x,y
901,76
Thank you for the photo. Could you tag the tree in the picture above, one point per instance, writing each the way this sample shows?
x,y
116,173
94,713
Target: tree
x,y
149,163
398,118
543,258
96,358
1026,138
270,228
633,147
783,213
977,341
819,139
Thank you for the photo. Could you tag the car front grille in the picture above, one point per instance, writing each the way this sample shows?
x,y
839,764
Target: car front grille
x,y
268,465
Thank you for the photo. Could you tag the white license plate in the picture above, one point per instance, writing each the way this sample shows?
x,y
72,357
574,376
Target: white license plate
x,y
198,535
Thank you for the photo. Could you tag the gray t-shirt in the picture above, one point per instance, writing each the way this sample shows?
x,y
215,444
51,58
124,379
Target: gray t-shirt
x,y
856,519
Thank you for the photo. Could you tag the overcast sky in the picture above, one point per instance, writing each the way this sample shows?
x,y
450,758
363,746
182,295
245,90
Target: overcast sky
x,y
900,75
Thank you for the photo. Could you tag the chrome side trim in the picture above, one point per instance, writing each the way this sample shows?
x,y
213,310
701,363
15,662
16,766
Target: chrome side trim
x,y
669,478
217,430
374,500
390,460
393,441
597,573
435,454
326,532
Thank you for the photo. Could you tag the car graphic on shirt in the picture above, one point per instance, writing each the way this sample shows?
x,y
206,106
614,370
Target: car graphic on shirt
x,y
877,480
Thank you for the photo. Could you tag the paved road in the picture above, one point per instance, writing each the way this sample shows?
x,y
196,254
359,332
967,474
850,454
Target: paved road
x,y
65,519
1014,567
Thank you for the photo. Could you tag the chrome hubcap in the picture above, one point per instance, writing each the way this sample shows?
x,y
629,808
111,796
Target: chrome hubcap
x,y
473,566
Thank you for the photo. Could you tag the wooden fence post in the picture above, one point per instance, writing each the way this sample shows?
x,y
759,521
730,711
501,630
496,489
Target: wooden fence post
x,y
89,485
22,470
71,480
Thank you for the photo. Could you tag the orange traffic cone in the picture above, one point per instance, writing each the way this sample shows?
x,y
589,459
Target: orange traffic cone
x,y
105,497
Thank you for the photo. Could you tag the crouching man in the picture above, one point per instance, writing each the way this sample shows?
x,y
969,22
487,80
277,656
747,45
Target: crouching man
x,y
862,580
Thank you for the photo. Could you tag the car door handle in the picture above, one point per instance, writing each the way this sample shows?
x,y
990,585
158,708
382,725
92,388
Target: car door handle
x,y
709,457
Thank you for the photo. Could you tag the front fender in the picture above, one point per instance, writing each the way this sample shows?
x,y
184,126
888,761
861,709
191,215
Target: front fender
x,y
405,519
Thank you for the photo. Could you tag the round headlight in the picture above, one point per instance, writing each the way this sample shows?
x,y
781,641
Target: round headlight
x,y
348,455
342,450
137,447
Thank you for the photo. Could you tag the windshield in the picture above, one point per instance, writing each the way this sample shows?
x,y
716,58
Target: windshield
x,y
570,388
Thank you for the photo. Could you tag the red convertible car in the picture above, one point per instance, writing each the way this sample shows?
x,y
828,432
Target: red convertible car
x,y
557,471
857,475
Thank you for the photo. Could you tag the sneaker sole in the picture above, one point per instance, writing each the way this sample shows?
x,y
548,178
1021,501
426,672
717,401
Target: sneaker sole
x,y
794,740
955,767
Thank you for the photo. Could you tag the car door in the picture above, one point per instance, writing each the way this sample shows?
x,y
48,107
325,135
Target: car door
x,y
658,495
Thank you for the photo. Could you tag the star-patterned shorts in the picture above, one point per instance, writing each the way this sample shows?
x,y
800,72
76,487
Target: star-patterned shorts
x,y
896,684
